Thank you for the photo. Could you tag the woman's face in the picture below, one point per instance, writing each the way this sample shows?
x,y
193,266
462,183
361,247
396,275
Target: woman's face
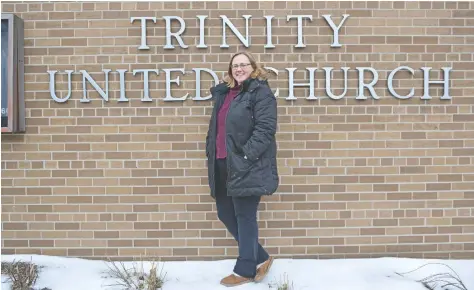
x,y
241,68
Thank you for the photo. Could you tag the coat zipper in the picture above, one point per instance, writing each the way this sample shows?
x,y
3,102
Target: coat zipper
x,y
230,107
228,151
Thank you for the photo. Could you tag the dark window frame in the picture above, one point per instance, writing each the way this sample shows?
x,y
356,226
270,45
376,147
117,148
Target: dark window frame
x,y
15,75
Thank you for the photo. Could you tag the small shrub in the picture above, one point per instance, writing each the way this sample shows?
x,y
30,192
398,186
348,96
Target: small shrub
x,y
21,275
283,284
135,278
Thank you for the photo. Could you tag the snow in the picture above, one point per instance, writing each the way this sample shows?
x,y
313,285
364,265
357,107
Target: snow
x,y
63,273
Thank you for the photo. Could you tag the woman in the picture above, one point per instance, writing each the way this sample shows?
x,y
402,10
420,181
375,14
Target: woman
x,y
242,167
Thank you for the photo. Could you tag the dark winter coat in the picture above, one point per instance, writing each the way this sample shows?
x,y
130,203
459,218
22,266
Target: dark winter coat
x,y
250,131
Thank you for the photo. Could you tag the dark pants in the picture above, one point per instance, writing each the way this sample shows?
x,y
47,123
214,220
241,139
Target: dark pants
x,y
239,215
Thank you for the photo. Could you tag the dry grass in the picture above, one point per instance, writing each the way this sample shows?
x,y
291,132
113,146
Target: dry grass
x,y
135,278
445,280
283,284
21,275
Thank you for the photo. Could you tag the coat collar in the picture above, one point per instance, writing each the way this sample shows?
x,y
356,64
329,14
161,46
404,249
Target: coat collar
x,y
221,88
250,84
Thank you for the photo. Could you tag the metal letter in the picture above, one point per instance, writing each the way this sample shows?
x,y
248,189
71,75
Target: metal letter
x,y
227,22
52,86
328,83
277,92
335,29
310,84
168,84
370,86
146,95
86,76
269,32
198,83
390,83
175,34
427,82
123,98
300,27
201,31
143,22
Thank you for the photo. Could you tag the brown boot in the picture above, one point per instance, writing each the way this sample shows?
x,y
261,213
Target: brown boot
x,y
233,280
262,271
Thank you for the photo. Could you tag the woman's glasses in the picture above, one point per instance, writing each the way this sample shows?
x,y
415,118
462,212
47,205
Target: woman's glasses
x,y
241,65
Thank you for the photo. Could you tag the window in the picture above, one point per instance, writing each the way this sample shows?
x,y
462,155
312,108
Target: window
x,y
13,104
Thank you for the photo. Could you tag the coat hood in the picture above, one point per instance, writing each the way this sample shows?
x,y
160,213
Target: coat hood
x,y
248,85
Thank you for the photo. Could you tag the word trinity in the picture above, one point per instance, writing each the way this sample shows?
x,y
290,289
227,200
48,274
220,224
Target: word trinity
x,y
246,40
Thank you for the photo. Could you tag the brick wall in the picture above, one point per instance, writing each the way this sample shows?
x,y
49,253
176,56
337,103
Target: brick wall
x,y
359,178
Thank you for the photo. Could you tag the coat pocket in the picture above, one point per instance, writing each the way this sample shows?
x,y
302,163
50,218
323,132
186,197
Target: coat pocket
x,y
240,164
246,174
